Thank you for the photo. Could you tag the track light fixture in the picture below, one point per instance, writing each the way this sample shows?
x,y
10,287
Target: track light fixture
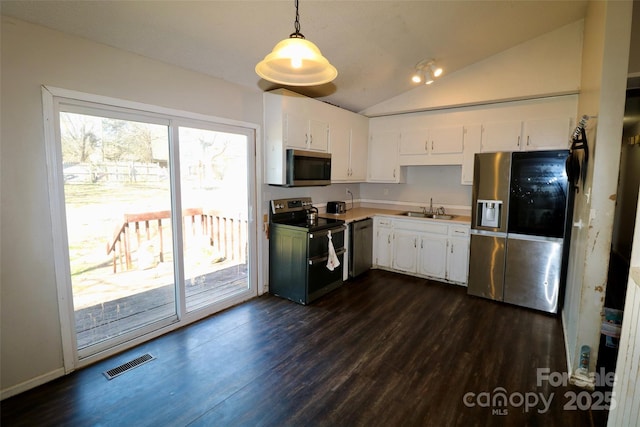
x,y
296,61
426,72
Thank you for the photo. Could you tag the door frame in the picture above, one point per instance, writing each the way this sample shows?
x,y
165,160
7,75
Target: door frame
x,y
51,96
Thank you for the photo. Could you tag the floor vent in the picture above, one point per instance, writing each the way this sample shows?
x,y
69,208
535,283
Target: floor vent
x,y
119,370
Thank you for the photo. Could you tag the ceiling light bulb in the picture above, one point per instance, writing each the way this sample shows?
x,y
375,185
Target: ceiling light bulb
x,y
428,81
296,62
437,71
416,78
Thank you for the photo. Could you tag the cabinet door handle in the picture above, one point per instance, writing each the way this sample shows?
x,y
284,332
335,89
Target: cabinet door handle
x,y
394,173
311,139
527,139
426,146
415,243
451,247
431,145
518,141
389,239
421,244
306,138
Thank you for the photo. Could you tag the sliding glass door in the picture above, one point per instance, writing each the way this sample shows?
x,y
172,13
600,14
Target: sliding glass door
x,y
213,183
157,226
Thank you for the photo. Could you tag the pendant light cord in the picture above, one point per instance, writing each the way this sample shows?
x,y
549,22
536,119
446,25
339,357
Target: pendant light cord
x,y
296,25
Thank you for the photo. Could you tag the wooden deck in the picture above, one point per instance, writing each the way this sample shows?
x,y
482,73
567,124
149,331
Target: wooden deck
x,y
112,318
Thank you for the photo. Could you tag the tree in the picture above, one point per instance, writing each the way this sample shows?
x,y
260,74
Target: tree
x,y
79,138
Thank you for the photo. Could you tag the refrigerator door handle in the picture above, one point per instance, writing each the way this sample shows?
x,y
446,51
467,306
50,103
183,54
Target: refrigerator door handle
x,y
532,238
488,233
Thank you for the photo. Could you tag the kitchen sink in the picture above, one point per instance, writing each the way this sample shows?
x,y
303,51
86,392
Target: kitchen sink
x,y
414,214
438,216
426,215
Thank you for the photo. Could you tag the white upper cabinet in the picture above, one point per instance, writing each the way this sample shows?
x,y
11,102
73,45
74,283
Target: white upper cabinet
x,y
446,140
551,133
547,134
306,134
414,141
472,141
501,136
383,157
318,139
340,141
359,149
348,139
295,121
432,146
296,131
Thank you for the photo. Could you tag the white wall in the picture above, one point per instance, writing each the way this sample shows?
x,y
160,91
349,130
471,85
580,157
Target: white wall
x,y
31,344
604,72
440,183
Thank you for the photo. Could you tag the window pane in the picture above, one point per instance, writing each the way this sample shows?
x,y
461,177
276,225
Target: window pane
x,y
213,184
118,204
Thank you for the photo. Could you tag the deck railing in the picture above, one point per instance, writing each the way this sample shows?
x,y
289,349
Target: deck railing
x,y
225,233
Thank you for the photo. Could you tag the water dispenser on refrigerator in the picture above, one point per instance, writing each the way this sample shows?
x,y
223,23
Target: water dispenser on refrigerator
x,y
489,213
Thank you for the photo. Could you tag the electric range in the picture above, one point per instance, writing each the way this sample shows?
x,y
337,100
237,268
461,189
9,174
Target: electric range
x,y
299,251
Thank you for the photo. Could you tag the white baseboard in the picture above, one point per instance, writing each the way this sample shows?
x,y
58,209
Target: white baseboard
x,y
32,383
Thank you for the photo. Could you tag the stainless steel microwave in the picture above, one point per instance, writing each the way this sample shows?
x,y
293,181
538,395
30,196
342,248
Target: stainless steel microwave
x,y
307,168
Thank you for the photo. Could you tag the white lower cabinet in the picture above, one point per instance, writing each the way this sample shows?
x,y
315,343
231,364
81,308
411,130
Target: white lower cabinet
x,y
458,256
433,256
405,248
382,234
425,248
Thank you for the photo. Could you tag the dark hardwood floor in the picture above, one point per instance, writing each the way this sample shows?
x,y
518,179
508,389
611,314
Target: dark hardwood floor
x,y
385,349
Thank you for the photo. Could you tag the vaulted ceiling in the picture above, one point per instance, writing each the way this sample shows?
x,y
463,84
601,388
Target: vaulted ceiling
x,y
373,44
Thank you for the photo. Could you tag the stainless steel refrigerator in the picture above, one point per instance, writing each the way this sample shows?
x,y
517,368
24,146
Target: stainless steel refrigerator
x,y
519,228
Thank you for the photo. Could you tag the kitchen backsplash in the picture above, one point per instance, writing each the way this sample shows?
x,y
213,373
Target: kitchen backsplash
x,y
442,183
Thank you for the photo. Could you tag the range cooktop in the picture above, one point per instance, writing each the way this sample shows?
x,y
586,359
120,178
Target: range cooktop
x,y
293,213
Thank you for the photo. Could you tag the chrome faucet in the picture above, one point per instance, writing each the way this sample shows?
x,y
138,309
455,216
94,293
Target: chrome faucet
x,y
438,211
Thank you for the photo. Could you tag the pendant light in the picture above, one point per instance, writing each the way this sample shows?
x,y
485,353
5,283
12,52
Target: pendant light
x,y
296,61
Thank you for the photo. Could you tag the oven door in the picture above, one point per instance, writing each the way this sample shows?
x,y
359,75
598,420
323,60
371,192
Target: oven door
x,y
321,280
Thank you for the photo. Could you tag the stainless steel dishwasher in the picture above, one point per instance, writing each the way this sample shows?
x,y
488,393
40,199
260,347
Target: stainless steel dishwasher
x,y
360,246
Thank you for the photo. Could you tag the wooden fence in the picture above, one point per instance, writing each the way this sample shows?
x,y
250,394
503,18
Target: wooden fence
x,y
225,233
